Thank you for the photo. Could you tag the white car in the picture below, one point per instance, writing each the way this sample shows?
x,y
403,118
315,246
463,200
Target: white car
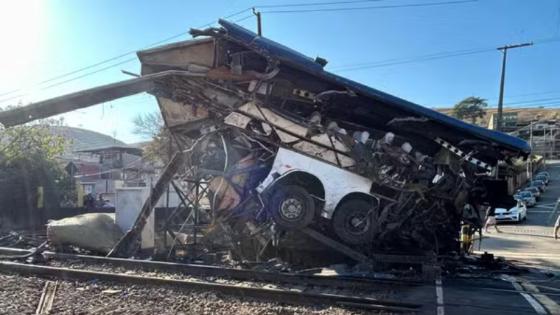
x,y
515,214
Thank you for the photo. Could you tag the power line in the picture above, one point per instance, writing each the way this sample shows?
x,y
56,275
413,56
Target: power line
x,y
525,104
9,92
308,4
133,51
351,67
392,62
111,59
521,96
538,105
535,101
365,64
108,60
71,79
244,18
428,57
134,58
527,94
89,73
429,4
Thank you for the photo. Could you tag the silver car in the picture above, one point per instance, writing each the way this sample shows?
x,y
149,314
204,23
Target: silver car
x,y
542,177
535,191
539,184
526,197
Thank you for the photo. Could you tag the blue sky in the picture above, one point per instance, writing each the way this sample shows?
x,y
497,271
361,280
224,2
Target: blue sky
x,y
45,39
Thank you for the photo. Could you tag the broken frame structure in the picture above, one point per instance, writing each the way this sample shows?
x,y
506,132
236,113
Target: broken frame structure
x,y
271,142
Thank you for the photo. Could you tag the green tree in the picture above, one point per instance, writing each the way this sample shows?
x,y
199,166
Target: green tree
x,y
471,108
28,160
160,148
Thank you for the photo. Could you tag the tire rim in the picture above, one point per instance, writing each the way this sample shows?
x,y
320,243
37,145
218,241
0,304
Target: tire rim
x,y
291,209
357,224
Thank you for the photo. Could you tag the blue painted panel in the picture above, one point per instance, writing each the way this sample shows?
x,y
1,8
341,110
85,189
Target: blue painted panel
x,y
302,62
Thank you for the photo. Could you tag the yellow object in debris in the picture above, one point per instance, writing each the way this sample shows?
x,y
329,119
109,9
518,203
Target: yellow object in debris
x,y
466,238
466,235
40,197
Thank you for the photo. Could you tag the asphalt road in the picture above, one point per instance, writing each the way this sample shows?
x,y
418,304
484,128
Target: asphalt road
x,y
531,242
528,244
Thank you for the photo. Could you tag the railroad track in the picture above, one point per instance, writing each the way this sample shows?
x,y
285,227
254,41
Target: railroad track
x,y
276,295
295,290
215,271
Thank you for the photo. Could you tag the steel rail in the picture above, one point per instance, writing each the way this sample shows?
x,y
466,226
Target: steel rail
x,y
274,295
248,275
215,271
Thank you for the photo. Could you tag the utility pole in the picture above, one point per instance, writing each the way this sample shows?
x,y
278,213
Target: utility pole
x,y
259,26
531,144
504,50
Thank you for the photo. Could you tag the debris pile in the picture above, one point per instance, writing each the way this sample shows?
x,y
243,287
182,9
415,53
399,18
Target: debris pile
x,y
286,145
21,239
274,143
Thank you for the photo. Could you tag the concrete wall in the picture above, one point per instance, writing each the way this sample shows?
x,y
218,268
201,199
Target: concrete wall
x,y
129,202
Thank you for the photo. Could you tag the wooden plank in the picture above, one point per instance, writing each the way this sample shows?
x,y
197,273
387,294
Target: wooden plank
x,y
47,298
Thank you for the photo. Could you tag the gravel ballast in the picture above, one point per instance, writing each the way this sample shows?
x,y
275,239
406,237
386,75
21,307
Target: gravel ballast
x,y
21,294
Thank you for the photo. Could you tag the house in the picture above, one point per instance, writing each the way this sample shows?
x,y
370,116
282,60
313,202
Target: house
x,y
101,164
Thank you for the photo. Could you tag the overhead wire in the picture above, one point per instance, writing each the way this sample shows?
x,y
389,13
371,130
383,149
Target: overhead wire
x,y
434,56
516,105
540,105
135,50
109,59
428,57
391,62
356,67
244,18
247,17
344,68
89,73
308,4
428,4
94,65
528,94
550,99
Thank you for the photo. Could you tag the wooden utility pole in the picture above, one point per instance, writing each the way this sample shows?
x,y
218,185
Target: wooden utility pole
x,y
504,50
531,158
259,25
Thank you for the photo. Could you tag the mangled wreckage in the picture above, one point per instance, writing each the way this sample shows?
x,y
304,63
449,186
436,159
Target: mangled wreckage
x,y
283,144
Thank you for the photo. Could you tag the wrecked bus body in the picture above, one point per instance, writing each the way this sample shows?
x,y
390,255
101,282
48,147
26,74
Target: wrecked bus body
x,y
283,144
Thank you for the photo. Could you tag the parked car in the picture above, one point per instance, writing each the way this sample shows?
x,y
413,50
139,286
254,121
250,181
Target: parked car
x,y
541,177
535,191
515,214
545,174
539,184
526,197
